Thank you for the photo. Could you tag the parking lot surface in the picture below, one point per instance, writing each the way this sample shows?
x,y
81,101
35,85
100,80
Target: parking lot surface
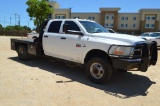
x,y
41,82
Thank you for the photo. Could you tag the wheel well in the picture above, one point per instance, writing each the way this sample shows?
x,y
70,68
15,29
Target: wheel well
x,y
97,53
18,44
144,38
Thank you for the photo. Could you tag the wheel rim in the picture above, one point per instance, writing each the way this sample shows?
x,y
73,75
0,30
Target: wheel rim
x,y
96,70
21,53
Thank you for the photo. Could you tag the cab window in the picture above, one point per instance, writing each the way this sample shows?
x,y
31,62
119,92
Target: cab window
x,y
72,26
54,27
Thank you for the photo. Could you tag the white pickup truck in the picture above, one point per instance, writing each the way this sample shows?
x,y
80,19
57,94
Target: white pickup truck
x,y
89,44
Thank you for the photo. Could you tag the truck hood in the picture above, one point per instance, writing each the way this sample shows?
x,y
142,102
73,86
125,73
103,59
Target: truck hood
x,y
124,38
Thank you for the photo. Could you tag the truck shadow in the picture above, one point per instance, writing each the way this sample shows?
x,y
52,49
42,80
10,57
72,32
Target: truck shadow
x,y
122,85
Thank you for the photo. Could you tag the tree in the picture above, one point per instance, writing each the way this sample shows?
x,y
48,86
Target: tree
x,y
1,27
26,28
38,10
17,27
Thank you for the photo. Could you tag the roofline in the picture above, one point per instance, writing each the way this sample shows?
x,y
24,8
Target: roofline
x,y
128,13
149,9
85,12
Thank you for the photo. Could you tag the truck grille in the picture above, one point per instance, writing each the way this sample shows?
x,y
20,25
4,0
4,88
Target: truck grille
x,y
138,50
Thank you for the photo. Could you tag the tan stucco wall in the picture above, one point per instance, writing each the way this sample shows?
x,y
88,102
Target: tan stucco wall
x,y
86,15
65,12
100,17
150,12
143,13
54,4
130,21
110,20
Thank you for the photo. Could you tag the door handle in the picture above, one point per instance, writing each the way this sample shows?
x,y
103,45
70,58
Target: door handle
x,y
46,36
63,38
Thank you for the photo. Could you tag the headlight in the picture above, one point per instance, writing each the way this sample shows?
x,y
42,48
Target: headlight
x,y
120,50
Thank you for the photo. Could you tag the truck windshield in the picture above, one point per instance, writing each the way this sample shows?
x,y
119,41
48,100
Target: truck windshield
x,y
93,27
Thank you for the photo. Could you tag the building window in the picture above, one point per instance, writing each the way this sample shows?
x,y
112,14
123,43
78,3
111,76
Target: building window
x,y
147,25
60,16
134,25
111,25
75,17
91,18
122,18
153,18
106,25
107,17
151,25
63,17
147,18
50,15
134,18
112,18
122,25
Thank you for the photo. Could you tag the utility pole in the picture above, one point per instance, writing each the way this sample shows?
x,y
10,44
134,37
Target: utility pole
x,y
10,21
70,12
15,19
4,25
19,20
28,24
4,22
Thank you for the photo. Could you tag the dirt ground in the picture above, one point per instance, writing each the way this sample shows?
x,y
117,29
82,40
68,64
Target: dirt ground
x,y
40,82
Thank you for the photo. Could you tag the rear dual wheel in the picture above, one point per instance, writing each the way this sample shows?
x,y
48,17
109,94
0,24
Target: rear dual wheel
x,y
23,53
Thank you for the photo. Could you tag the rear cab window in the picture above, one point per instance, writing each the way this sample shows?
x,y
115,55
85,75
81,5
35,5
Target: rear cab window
x,y
54,27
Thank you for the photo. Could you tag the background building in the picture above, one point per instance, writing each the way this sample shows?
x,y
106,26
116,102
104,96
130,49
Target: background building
x,y
145,20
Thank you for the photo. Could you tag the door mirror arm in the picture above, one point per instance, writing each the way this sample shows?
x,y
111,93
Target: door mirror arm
x,y
75,32
65,28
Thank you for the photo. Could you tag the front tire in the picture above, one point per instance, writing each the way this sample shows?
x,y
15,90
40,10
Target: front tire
x,y
98,70
22,53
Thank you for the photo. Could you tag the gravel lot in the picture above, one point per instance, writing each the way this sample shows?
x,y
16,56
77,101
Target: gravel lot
x,y
44,83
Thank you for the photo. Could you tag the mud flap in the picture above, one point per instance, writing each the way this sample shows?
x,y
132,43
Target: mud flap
x,y
145,59
153,53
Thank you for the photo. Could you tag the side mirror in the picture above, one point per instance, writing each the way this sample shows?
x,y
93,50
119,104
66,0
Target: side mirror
x,y
65,28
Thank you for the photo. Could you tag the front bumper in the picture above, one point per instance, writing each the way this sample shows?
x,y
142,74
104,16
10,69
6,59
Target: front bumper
x,y
137,62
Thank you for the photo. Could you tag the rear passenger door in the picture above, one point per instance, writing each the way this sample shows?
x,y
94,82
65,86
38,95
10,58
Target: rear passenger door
x,y
51,39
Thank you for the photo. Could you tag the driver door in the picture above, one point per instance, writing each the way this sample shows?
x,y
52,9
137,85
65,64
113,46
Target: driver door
x,y
71,43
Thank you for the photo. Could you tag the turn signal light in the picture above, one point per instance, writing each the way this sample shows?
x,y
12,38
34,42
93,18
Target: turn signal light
x,y
118,52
